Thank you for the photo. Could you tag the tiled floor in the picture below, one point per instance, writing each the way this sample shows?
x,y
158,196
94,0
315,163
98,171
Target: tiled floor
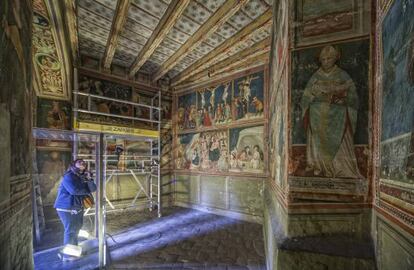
x,y
181,239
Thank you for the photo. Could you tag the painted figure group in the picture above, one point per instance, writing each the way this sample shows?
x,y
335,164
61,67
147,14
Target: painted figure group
x,y
215,108
209,152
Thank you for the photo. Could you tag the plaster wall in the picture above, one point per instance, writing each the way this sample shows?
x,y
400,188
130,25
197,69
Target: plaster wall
x,y
15,132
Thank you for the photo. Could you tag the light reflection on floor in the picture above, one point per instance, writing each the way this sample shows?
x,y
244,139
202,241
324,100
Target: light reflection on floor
x,y
183,239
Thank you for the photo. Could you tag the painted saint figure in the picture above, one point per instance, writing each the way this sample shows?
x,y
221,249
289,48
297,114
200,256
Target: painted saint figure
x,y
56,117
329,109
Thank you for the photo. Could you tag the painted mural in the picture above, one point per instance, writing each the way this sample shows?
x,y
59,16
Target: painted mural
x,y
206,151
278,93
330,107
187,112
47,61
397,139
280,39
108,89
234,150
327,20
166,149
246,149
53,114
277,130
51,166
237,100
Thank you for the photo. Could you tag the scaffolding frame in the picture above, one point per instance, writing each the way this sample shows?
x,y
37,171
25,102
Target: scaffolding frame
x,y
153,175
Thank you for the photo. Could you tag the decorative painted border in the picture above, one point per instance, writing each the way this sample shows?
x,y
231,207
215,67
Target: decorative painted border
x,y
384,194
328,185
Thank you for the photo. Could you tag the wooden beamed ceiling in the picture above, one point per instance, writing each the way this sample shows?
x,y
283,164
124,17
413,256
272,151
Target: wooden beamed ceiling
x,y
178,40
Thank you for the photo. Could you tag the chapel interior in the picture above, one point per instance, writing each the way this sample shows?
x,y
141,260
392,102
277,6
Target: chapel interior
x,y
221,134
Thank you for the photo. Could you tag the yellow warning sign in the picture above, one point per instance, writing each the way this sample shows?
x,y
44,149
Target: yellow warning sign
x,y
85,126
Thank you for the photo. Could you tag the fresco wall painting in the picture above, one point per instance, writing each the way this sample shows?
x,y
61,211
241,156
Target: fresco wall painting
x,y
235,101
217,127
277,132
48,60
325,20
90,85
278,95
396,126
329,110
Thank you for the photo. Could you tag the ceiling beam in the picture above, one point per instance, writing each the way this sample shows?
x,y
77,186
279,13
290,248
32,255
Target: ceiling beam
x,y
228,9
168,20
70,7
263,21
120,17
257,51
258,57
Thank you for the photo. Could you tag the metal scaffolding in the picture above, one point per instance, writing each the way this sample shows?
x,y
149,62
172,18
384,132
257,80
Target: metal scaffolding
x,y
147,165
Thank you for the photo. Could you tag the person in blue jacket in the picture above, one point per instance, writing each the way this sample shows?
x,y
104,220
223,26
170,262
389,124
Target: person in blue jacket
x,y
76,184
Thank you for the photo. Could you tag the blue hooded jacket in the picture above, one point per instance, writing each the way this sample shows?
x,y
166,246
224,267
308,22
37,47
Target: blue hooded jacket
x,y
72,190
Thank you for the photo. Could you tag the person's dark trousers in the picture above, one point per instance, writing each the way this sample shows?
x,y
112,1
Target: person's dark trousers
x,y
71,224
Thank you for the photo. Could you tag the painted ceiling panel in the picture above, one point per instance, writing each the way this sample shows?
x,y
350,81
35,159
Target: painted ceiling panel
x,y
187,60
170,43
155,7
239,20
125,57
129,44
133,37
160,56
226,30
187,25
124,49
108,3
150,67
85,36
92,33
165,50
197,12
172,73
195,54
137,28
142,17
90,53
97,8
93,45
89,16
178,36
254,8
95,21
214,40
204,48
119,62
212,5
260,35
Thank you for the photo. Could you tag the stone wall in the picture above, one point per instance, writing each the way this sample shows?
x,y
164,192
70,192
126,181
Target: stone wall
x,y
15,132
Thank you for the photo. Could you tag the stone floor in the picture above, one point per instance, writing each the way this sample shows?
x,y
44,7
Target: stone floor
x,y
181,239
